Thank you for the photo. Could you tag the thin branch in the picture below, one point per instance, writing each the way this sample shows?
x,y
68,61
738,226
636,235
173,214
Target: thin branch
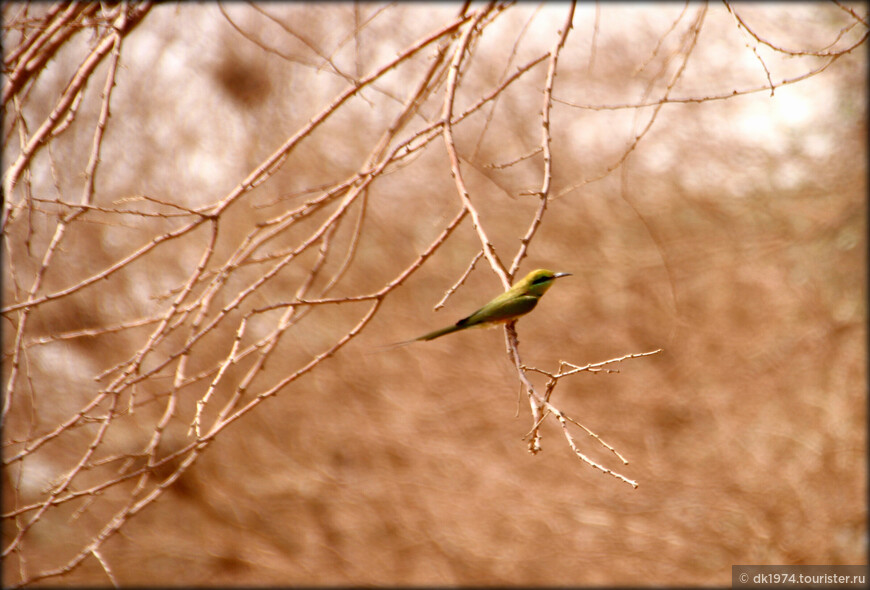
x,y
792,52
458,283
105,565
741,24
694,34
455,170
91,169
516,160
544,192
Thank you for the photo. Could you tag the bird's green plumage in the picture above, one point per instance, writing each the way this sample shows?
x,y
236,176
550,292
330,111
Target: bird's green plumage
x,y
519,300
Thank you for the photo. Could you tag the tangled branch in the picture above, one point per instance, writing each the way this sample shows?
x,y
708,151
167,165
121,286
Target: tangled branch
x,y
160,319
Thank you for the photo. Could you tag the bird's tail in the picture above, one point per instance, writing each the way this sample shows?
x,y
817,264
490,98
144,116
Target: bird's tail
x,y
442,332
429,336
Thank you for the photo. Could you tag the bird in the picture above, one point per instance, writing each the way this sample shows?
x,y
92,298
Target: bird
x,y
517,301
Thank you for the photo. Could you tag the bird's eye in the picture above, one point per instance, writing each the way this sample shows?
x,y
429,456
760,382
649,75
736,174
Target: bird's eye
x,y
541,279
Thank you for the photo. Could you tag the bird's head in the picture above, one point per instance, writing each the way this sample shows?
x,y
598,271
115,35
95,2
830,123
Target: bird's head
x,y
538,281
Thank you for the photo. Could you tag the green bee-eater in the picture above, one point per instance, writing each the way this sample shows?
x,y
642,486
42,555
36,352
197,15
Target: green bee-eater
x,y
516,301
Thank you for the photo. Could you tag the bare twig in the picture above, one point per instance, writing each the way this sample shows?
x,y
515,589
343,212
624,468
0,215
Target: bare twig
x,y
240,275
544,192
458,283
104,564
793,52
693,33
455,169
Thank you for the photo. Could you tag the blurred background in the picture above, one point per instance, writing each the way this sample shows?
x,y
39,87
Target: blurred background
x,y
708,195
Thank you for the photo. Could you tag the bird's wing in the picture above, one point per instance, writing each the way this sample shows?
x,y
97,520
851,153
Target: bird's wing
x,y
501,311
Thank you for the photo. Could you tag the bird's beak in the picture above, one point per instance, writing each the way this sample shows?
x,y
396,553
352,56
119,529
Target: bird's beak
x,y
561,274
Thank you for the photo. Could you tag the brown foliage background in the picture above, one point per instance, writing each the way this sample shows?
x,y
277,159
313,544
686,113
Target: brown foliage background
x,y
724,221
